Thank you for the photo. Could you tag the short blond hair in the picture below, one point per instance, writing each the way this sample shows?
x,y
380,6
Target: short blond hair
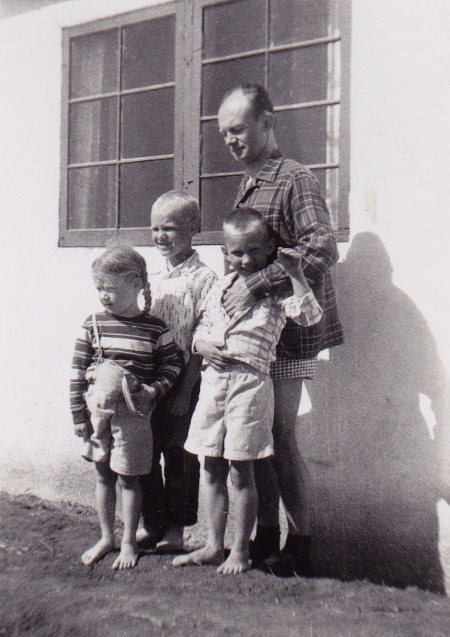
x,y
182,203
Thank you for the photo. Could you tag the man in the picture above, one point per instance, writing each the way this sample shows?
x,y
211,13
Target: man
x,y
288,196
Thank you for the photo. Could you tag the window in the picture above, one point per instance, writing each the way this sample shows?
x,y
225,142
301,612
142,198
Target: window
x,y
141,94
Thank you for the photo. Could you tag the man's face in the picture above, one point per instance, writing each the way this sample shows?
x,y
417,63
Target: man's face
x,y
245,136
247,251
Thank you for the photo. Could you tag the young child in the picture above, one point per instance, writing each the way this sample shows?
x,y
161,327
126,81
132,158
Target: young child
x,y
232,424
126,339
179,290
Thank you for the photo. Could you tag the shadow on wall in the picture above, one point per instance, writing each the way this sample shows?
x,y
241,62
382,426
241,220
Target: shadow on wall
x,y
373,454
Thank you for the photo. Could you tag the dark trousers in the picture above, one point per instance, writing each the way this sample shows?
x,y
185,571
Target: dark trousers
x,y
172,498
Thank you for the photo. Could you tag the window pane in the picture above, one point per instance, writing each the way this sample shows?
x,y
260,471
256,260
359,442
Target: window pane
x,y
93,130
148,52
94,64
216,158
218,78
298,76
217,200
302,134
92,197
148,123
234,28
140,185
298,20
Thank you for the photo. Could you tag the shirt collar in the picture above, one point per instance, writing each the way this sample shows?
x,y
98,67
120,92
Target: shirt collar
x,y
270,169
191,261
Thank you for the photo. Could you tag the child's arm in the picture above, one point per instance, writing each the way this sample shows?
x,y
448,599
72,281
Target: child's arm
x,y
82,358
168,365
306,311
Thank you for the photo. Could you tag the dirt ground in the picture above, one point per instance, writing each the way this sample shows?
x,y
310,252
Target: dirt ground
x,y
45,591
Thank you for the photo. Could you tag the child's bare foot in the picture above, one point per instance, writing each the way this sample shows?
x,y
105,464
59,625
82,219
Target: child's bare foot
x,y
128,557
206,555
234,564
172,540
97,551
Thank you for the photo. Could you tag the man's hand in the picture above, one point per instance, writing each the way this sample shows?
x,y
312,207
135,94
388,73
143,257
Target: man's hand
x,y
83,430
215,357
237,297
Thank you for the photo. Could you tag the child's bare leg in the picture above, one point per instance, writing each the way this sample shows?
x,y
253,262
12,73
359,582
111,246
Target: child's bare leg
x,y
105,495
131,510
246,499
216,472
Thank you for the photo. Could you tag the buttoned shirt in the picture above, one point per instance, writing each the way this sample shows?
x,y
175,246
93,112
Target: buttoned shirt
x,y
251,336
288,195
178,297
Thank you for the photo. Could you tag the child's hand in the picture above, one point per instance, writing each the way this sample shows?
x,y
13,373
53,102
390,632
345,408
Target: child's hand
x,y
214,356
144,399
291,260
180,401
82,430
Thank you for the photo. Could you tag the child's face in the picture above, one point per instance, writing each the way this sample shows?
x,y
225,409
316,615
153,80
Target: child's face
x,y
119,295
172,234
247,251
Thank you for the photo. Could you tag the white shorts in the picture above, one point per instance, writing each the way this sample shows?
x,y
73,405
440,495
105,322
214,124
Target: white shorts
x,y
234,415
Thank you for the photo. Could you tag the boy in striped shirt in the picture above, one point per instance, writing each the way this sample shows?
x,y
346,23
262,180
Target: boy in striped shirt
x,y
232,423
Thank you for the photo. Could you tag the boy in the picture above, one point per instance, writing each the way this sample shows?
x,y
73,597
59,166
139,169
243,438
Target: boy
x,y
179,290
232,424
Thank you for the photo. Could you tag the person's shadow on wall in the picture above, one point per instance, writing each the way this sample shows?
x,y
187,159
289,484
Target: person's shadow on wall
x,y
372,453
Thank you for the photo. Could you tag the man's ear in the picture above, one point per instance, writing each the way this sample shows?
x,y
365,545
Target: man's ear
x,y
225,251
269,120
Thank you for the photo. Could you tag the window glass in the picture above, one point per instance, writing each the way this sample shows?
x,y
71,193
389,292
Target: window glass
x,y
234,27
302,134
92,197
94,64
299,75
218,78
217,200
141,184
148,53
147,123
298,20
93,130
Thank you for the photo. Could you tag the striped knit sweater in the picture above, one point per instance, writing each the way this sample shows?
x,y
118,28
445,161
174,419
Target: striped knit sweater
x,y
143,345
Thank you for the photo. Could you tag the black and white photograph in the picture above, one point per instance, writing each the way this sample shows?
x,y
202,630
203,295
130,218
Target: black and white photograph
x,y
225,306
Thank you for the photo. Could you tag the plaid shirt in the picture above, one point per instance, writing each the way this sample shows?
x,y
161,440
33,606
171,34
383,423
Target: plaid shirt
x,y
251,335
288,195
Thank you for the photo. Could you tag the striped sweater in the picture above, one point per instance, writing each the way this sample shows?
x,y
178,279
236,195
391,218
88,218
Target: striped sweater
x,y
143,345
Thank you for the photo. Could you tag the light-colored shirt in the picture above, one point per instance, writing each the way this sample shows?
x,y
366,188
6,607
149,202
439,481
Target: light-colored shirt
x,y
178,298
251,336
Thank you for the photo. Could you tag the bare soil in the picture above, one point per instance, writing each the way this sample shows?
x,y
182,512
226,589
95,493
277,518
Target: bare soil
x,y
45,591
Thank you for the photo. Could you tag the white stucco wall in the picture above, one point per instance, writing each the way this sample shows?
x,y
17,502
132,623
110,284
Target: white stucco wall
x,y
370,439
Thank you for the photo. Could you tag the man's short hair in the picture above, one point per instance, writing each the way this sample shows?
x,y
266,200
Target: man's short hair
x,y
259,96
182,203
242,219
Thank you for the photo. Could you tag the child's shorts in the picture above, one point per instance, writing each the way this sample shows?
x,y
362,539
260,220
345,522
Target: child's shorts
x,y
234,415
119,437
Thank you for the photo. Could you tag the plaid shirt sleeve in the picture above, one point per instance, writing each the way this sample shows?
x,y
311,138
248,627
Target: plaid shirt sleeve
x,y
295,209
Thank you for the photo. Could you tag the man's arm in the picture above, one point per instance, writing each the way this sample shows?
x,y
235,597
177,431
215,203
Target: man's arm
x,y
306,213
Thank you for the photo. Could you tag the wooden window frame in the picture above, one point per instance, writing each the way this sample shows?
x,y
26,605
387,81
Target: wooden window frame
x,y
188,120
